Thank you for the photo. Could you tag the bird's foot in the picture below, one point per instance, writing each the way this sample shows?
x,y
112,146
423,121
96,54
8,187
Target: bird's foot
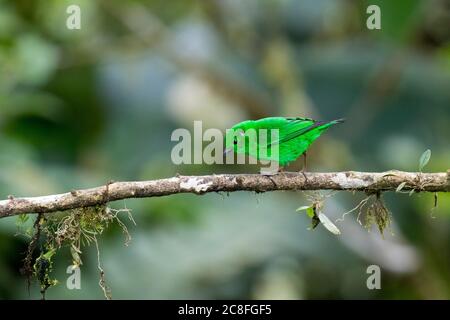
x,y
304,174
304,167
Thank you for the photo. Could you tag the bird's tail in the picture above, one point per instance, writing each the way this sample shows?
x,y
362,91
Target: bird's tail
x,y
337,121
327,124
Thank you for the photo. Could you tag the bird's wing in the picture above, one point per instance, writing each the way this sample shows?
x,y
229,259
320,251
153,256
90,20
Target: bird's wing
x,y
295,127
299,132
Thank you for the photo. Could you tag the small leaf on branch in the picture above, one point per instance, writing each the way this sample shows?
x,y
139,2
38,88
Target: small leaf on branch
x,y
302,208
424,159
330,226
400,186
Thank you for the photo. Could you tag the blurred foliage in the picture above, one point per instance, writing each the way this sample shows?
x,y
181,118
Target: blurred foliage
x,y
81,107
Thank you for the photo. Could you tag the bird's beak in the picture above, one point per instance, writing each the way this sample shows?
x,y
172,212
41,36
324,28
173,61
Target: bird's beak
x,y
227,150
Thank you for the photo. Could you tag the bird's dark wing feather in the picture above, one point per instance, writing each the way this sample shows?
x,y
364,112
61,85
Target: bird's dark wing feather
x,y
297,133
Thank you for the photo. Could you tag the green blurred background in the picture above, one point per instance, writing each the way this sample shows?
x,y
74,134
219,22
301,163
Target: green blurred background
x,y
81,107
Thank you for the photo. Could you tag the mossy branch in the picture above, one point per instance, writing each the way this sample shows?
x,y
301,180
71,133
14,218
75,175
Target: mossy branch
x,y
369,182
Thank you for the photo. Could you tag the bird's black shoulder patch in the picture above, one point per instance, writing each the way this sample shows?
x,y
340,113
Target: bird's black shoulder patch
x,y
299,118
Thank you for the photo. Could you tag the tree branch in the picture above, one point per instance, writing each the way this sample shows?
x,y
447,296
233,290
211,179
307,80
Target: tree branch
x,y
350,180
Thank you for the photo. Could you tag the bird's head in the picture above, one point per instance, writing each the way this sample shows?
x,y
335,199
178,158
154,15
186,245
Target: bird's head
x,y
235,139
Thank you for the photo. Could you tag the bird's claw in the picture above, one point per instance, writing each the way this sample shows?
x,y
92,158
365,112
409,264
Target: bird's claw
x,y
304,175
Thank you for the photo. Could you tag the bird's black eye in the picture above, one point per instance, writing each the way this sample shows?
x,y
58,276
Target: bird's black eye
x,y
235,141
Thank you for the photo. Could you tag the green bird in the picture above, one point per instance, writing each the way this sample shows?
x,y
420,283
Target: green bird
x,y
295,136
